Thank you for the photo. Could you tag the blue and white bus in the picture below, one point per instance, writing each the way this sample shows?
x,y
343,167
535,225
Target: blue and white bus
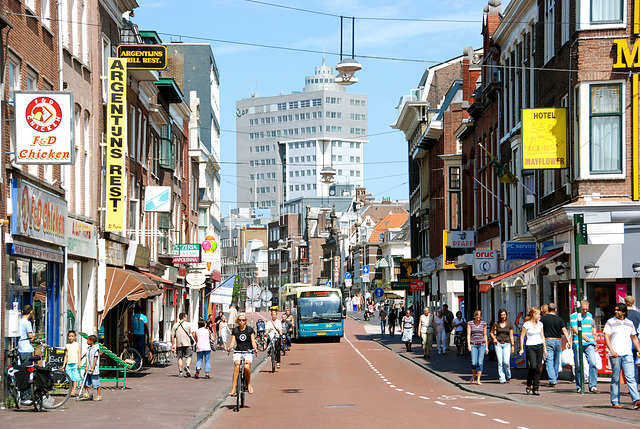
x,y
318,312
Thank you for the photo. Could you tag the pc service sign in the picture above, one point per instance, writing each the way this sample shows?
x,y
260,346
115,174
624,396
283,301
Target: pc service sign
x,y
44,127
485,262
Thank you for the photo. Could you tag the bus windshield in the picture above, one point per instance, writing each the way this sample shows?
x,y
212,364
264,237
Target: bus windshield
x,y
320,309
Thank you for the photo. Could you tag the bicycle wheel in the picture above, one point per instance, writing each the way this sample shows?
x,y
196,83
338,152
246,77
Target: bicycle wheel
x,y
59,392
13,394
133,358
273,359
261,343
239,388
243,391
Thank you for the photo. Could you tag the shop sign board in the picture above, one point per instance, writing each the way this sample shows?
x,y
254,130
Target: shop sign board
x,y
196,279
485,262
38,213
33,252
544,138
138,255
408,267
116,145
520,250
461,239
114,253
186,253
82,239
605,233
157,199
44,127
144,57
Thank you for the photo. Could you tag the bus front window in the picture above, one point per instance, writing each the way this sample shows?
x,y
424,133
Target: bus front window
x,y
325,308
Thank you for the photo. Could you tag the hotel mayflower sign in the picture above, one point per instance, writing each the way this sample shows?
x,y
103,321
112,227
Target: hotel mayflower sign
x,y
44,127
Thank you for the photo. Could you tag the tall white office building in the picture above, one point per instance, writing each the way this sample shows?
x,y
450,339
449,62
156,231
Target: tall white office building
x,y
283,142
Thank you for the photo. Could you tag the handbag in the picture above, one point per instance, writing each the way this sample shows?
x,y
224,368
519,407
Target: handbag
x,y
191,340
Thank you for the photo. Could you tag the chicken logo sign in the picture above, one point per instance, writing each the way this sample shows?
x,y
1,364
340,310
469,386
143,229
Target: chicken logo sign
x,y
44,127
44,114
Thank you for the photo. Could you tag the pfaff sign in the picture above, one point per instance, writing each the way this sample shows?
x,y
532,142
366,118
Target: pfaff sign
x,y
116,143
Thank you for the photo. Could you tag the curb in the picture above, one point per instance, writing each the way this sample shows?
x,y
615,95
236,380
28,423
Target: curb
x,y
217,403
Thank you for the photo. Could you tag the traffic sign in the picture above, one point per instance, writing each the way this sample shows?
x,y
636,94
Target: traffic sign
x,y
347,282
379,292
347,275
365,269
328,283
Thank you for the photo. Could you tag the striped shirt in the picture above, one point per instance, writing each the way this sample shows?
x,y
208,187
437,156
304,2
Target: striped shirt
x,y
587,326
621,332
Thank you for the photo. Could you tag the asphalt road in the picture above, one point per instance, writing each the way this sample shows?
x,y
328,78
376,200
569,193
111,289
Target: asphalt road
x,y
359,381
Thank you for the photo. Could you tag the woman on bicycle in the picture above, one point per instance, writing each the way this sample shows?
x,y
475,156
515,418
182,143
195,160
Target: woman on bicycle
x,y
274,333
243,339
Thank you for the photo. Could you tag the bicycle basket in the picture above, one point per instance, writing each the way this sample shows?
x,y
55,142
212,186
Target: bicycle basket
x,y
260,326
22,379
43,378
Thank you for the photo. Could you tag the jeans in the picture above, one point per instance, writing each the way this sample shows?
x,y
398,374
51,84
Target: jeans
x,y
590,354
535,356
503,353
441,339
383,325
554,349
477,356
206,355
626,364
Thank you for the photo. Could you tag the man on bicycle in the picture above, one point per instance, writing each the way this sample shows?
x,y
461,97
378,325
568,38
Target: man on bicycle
x,y
243,339
287,330
274,333
289,316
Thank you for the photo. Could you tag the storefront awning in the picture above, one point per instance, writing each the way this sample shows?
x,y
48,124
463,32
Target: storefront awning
x,y
121,284
381,263
157,278
485,285
216,276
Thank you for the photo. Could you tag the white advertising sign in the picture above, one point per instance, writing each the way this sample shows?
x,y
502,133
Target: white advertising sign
x,y
196,279
461,239
485,262
223,293
82,239
157,199
44,127
605,233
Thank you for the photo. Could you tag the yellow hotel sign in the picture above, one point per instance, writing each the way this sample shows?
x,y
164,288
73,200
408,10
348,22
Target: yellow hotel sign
x,y
544,138
116,143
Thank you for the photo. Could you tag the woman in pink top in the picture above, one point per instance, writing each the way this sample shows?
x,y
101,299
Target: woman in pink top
x,y
203,349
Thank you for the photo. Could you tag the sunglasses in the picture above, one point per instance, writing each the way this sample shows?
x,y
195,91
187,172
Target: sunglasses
x,y
242,320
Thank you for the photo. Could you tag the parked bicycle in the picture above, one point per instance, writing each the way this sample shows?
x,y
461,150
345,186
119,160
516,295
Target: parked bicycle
x,y
30,384
241,385
130,355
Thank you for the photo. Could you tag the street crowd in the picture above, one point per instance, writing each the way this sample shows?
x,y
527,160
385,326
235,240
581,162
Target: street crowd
x,y
540,341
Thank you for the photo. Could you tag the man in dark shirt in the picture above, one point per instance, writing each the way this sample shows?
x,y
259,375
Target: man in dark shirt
x,y
554,330
634,316
448,324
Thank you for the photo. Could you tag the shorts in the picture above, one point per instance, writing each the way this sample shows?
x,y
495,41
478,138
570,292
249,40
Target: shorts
x,y
72,371
184,351
238,356
93,380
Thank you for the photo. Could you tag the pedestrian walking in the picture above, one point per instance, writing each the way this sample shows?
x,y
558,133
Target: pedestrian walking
x,y
181,343
203,338
392,318
588,345
224,331
427,331
554,331
448,324
459,333
502,338
533,331
406,326
233,315
441,335
619,336
383,319
478,345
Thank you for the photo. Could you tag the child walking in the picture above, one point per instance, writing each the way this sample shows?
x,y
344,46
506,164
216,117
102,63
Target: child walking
x,y
93,369
72,358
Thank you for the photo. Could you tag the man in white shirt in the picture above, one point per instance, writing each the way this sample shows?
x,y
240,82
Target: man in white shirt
x,y
619,335
273,328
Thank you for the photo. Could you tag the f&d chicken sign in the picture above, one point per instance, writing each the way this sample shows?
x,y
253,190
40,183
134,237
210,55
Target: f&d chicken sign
x,y
116,140
44,127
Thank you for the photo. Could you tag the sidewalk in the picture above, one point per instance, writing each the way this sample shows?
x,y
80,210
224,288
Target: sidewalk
x,y
457,370
154,397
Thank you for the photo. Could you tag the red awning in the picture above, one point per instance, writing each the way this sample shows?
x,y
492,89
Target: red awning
x,y
158,278
215,276
526,267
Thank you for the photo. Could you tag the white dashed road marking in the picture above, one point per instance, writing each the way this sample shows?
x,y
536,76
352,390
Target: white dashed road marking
x,y
478,414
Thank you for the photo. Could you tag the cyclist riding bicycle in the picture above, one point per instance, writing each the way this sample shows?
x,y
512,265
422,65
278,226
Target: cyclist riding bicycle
x,y
274,333
243,339
287,329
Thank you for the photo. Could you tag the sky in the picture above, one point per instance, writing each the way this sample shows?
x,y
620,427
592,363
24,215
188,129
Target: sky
x,y
403,49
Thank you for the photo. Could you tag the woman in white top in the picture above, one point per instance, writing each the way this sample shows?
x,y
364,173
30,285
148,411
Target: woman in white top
x,y
223,330
441,335
406,326
533,330
459,335
273,328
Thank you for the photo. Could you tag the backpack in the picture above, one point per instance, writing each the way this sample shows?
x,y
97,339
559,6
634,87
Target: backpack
x,y
260,326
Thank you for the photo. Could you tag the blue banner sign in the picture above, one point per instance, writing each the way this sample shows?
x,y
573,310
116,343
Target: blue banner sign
x,y
515,250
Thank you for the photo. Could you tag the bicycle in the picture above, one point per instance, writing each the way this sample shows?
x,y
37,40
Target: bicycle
x,y
241,384
261,341
50,388
130,355
272,352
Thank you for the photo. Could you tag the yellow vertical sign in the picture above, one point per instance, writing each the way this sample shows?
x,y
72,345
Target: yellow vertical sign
x,y
446,264
116,143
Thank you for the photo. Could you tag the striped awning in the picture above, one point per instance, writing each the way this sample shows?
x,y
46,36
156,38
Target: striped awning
x,y
121,284
381,263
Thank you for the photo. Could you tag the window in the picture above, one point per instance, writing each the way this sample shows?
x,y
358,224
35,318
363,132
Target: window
x,y
45,12
565,21
605,123
606,11
549,26
14,75
31,4
32,79
454,177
